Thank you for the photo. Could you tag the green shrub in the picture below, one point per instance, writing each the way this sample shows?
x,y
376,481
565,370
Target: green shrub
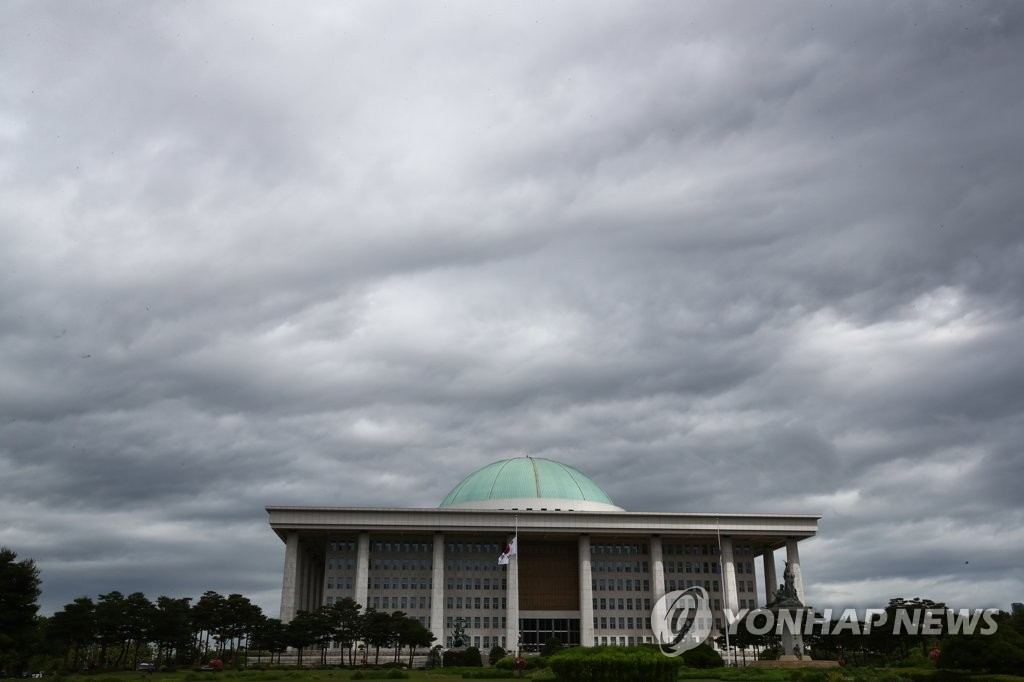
x,y
495,654
552,646
614,664
532,663
468,658
703,656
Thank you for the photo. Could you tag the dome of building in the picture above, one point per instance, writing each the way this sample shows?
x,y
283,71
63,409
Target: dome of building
x,y
529,483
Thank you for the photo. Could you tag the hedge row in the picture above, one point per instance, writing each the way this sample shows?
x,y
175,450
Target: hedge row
x,y
614,664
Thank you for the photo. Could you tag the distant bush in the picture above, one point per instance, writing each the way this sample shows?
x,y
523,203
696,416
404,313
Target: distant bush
x,y
552,646
393,674
468,658
496,654
614,664
703,656
509,663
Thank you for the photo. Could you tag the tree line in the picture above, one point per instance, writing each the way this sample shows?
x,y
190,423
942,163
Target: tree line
x,y
117,631
858,643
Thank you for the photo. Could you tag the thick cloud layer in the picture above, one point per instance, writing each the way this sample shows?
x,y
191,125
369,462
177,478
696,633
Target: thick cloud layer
x,y
722,257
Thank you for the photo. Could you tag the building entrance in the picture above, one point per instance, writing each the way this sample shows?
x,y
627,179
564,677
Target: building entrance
x,y
536,631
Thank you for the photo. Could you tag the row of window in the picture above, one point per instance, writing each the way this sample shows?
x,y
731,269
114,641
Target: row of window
x,y
468,548
624,623
485,603
485,584
621,641
742,567
403,547
595,549
342,583
395,604
389,582
709,585
695,550
612,585
403,603
401,564
621,604
342,546
485,644
495,549
341,564
476,584
599,549
619,566
478,622
473,565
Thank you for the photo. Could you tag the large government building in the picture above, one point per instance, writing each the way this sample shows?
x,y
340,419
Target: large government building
x,y
586,570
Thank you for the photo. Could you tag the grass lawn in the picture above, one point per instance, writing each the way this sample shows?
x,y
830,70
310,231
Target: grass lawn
x,y
283,675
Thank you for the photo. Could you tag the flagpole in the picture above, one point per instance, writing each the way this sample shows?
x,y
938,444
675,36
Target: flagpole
x,y
725,588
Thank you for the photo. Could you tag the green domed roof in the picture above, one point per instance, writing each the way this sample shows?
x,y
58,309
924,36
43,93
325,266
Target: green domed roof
x,y
524,478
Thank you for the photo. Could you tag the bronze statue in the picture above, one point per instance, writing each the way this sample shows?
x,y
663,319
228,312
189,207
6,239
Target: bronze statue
x,y
787,595
459,638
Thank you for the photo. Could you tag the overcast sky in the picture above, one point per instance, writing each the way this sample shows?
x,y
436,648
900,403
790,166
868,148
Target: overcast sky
x,y
750,257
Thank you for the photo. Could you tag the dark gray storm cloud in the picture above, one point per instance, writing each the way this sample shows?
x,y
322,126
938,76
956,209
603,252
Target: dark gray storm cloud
x,y
721,257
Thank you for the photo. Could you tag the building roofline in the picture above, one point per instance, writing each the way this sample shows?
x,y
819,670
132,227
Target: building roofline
x,y
465,510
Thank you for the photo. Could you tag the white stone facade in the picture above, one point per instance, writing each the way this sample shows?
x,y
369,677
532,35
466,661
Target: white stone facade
x,y
588,577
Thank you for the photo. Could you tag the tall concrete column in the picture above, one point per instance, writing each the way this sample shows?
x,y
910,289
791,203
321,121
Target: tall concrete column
x,y
658,612
319,580
309,583
437,591
303,587
730,595
793,555
586,594
362,589
512,603
657,568
771,582
290,586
